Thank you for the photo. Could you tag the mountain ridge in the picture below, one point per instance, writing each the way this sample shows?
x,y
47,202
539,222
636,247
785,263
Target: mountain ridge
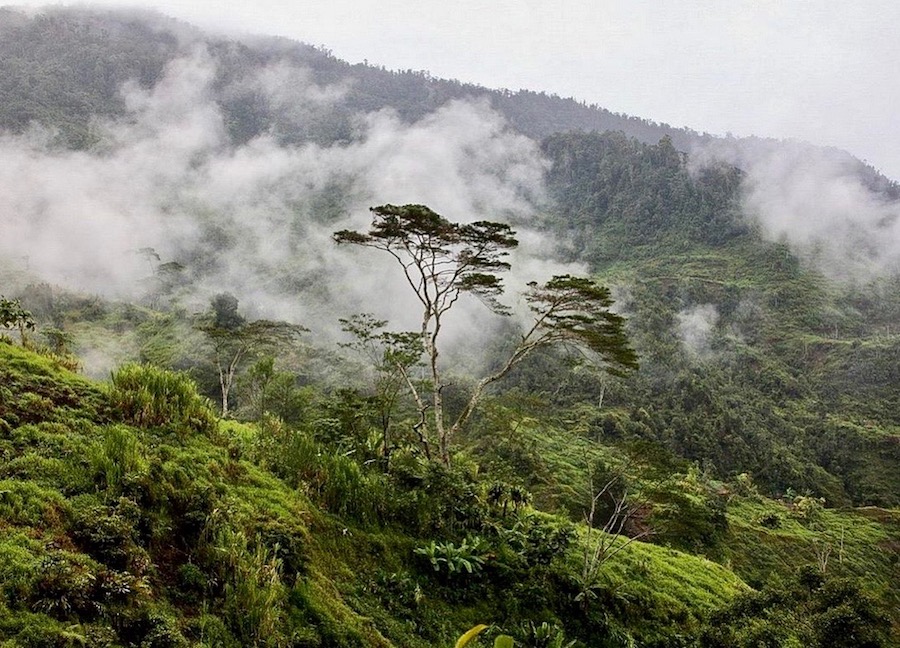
x,y
152,177
531,112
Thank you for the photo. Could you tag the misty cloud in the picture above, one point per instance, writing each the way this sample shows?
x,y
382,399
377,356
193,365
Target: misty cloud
x,y
830,208
256,219
695,329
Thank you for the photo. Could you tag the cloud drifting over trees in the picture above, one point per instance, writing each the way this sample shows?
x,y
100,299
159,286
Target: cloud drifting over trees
x,y
254,218
836,213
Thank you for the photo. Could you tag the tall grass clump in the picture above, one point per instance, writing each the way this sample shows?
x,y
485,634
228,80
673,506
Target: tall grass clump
x,y
334,481
252,594
117,459
149,397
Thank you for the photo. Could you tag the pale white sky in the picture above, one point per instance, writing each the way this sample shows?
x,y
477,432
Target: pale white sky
x,y
822,70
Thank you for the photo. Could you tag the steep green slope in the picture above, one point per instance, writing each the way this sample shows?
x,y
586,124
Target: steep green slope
x,y
751,361
131,516
127,521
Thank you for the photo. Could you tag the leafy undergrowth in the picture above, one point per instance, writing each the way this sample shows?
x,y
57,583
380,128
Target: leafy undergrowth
x,y
126,521
130,516
753,539
769,538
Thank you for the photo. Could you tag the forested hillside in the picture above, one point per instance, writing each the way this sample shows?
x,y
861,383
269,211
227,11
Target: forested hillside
x,y
658,403
64,68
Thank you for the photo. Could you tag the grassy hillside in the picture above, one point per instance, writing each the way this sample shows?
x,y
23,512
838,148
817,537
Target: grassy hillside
x,y
752,463
131,515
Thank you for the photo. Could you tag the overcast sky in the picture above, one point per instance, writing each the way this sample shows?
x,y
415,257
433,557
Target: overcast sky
x,y
824,71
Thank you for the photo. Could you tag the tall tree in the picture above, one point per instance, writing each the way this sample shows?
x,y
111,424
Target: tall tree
x,y
235,342
441,261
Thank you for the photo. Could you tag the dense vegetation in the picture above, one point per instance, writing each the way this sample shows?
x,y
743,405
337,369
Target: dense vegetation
x,y
792,371
132,516
243,482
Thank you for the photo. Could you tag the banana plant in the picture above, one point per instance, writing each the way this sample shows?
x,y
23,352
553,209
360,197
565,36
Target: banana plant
x,y
501,641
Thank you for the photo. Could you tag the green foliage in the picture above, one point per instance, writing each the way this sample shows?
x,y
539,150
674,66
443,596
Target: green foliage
x,y
469,255
114,534
225,312
150,397
118,460
265,533
393,356
25,503
544,635
688,514
537,541
807,611
770,520
63,70
333,480
253,596
12,315
433,500
809,509
451,560
576,310
441,261
33,389
500,641
109,533
616,194
234,341
60,341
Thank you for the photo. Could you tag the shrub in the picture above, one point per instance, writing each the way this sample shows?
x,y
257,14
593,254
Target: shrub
x,y
252,593
545,635
288,544
538,540
808,508
210,630
66,586
770,520
450,560
398,591
18,565
162,633
150,397
117,460
108,533
336,482
26,503
438,500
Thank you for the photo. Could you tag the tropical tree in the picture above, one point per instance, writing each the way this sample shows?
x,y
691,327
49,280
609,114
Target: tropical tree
x,y
393,356
235,342
12,315
441,261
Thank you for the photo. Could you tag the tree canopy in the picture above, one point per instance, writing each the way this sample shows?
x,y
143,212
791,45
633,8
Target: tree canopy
x,y
234,341
442,260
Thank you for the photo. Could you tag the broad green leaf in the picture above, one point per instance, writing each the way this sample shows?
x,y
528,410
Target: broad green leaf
x,y
471,634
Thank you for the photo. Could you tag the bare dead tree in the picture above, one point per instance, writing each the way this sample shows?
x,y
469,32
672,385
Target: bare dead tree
x,y
603,542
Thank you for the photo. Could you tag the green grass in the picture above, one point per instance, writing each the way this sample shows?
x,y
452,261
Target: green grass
x,y
665,591
862,543
181,529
